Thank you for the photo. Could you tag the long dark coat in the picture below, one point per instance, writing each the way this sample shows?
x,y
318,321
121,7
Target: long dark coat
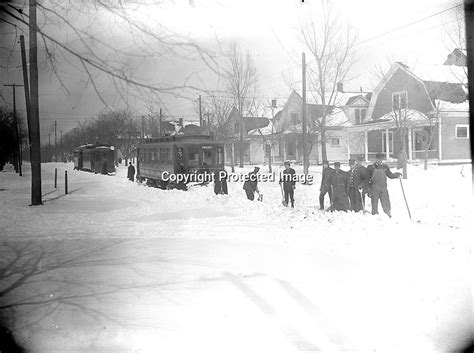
x,y
340,188
220,183
358,177
325,181
131,172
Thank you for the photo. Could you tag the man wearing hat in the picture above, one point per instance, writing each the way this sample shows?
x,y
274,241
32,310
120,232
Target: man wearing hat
x,y
325,185
288,180
358,185
250,184
340,187
377,174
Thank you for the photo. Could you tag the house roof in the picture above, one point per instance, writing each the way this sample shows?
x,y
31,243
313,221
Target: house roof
x,y
264,130
352,99
381,85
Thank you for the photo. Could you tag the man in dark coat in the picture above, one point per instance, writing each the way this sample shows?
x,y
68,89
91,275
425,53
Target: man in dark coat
x,y
220,182
288,180
378,173
250,184
325,185
131,172
340,187
358,185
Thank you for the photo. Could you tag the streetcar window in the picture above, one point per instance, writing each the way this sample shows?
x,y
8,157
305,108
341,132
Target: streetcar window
x,y
148,155
193,156
154,155
165,155
207,157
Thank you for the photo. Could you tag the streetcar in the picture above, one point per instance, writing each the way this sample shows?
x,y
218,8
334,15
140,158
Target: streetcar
x,y
158,160
96,158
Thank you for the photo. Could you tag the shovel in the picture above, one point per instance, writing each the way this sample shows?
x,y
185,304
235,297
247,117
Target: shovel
x,y
283,202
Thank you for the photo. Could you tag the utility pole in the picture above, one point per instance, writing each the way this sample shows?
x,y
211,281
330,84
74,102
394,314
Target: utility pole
x,y
143,127
303,112
35,150
241,135
27,86
200,111
17,130
270,156
55,141
161,121
62,152
49,148
208,122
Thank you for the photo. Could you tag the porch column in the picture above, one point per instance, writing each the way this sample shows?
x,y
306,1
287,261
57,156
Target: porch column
x,y
440,141
410,144
284,149
366,145
387,145
296,148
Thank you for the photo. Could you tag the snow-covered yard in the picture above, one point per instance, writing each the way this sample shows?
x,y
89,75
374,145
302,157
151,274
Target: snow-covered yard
x,y
115,266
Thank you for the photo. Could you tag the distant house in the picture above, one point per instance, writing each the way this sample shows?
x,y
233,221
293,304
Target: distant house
x,y
230,132
458,57
435,95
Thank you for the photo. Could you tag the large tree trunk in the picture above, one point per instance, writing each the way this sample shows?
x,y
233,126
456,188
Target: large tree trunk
x,y
232,164
426,158
323,144
403,134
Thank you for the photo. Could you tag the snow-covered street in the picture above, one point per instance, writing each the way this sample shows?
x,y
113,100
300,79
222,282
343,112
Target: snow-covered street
x,y
115,266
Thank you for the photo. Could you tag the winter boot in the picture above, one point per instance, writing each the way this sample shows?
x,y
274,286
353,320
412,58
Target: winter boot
x,y
292,204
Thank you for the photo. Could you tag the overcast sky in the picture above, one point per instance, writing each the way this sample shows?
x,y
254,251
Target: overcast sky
x,y
268,29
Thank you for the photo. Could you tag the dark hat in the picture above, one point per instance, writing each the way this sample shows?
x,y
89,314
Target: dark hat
x,y
337,164
257,168
287,162
380,155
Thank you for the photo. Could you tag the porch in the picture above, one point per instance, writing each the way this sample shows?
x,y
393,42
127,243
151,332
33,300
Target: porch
x,y
366,141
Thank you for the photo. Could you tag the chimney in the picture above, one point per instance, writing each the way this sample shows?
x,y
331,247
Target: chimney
x,y
340,87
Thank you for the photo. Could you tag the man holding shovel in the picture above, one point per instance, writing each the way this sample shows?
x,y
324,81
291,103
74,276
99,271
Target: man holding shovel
x,y
287,183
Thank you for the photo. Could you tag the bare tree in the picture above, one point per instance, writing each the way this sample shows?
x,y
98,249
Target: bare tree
x,y
240,75
98,54
219,108
330,45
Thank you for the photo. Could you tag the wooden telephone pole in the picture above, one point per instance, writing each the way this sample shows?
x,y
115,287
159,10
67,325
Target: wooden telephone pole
x,y
303,117
35,149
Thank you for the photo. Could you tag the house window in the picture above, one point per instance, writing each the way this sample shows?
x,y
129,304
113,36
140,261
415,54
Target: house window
x,y
359,115
462,131
335,141
399,100
236,127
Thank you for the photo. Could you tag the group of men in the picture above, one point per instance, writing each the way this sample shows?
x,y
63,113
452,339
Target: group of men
x,y
347,190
